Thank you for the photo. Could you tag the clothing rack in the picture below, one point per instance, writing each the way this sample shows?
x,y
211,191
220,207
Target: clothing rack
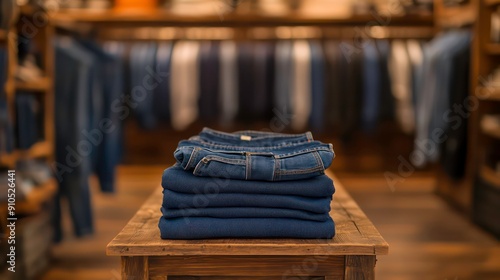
x,y
263,33
161,24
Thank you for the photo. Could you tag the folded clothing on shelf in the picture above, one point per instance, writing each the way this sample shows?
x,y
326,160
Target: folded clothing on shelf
x,y
244,212
207,227
238,160
225,204
178,180
174,200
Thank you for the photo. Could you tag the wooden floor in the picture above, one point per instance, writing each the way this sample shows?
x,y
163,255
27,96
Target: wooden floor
x,y
428,240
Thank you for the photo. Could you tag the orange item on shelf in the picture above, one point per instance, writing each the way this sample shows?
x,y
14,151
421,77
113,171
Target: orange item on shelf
x,y
136,4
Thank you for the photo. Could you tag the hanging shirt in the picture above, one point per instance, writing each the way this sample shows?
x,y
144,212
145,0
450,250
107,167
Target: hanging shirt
x,y
371,86
317,117
184,88
401,75
284,76
301,92
228,76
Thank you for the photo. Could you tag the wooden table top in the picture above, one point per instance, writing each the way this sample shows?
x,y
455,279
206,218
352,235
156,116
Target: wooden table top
x,y
355,235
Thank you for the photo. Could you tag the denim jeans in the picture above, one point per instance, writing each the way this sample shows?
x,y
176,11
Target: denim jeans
x,y
28,116
75,68
180,181
175,200
88,84
244,212
233,159
250,138
206,227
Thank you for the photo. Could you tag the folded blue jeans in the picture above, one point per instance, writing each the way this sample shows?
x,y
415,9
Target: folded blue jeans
x,y
174,200
180,181
252,138
244,212
205,227
281,163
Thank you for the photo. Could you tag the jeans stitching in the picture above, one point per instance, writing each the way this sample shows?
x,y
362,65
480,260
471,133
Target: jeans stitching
x,y
248,166
191,158
262,135
229,149
319,161
301,171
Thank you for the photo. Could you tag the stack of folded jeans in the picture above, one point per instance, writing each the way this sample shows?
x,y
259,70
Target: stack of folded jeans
x,y
248,184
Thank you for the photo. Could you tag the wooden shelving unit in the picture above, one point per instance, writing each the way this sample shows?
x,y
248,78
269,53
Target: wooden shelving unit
x,y
492,48
163,17
44,84
485,188
33,210
39,149
489,93
489,175
458,192
495,133
34,201
3,35
455,16
492,3
43,87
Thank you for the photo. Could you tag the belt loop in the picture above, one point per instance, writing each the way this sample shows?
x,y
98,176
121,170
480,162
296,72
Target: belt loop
x,y
309,136
248,163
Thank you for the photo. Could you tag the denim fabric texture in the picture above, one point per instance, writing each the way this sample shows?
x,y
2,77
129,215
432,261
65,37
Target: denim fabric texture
x,y
89,82
142,62
317,117
244,212
107,154
433,98
74,68
235,159
255,138
206,227
174,200
177,180
28,111
371,86
208,102
224,201
6,125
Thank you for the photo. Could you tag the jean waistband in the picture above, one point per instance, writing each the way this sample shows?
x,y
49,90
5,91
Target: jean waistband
x,y
252,137
289,148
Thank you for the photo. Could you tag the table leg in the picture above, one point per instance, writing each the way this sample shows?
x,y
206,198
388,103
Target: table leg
x,y
135,268
359,268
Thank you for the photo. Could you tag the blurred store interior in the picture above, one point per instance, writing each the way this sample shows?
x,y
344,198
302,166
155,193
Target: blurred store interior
x,y
97,93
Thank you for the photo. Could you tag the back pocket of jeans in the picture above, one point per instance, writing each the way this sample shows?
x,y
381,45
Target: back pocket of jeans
x,y
216,166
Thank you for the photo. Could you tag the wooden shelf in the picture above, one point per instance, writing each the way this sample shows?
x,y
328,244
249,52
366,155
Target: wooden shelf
x,y
28,9
4,35
489,175
495,133
163,17
492,48
36,198
489,93
43,84
39,149
492,2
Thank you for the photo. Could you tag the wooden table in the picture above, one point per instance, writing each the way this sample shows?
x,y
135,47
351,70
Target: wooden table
x,y
351,254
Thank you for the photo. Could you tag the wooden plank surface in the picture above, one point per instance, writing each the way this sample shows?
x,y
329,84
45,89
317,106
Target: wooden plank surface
x,y
135,268
287,267
355,235
359,267
164,17
218,277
